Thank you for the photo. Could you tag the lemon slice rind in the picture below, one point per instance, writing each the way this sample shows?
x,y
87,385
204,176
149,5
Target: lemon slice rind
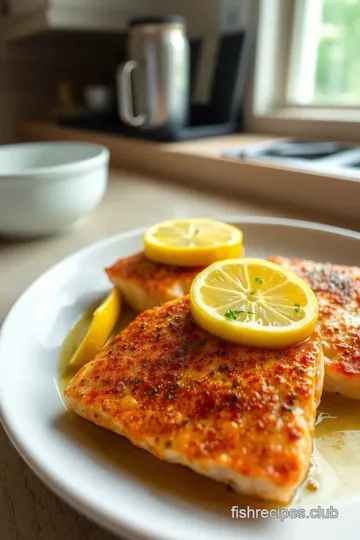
x,y
102,325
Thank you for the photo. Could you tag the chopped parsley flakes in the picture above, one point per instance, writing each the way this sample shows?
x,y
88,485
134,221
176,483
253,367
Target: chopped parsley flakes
x,y
259,280
234,313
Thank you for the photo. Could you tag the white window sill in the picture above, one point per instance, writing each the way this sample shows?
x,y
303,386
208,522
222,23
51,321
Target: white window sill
x,y
307,122
315,114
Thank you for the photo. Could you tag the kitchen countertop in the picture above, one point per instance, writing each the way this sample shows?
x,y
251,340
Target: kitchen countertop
x,y
28,510
331,191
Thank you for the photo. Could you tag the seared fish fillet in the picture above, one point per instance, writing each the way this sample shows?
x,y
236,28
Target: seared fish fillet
x,y
338,292
240,415
146,284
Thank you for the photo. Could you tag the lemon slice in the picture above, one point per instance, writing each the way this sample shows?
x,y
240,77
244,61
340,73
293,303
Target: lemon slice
x,y
192,242
254,302
103,322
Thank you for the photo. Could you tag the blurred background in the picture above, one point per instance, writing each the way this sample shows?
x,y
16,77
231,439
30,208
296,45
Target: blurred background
x,y
327,37
274,61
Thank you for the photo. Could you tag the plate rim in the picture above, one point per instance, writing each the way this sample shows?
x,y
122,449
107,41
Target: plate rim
x,y
41,470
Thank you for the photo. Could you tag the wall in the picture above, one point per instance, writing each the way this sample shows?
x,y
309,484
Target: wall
x,y
31,69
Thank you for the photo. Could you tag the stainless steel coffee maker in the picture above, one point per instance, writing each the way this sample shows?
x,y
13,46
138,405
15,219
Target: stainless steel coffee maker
x,y
153,85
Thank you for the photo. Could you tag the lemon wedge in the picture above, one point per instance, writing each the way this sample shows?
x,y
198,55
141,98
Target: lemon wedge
x,y
254,302
103,323
192,242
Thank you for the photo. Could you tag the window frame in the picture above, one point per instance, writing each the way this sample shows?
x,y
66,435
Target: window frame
x,y
268,108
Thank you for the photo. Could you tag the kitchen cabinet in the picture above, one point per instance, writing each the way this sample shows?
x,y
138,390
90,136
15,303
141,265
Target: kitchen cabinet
x,y
29,17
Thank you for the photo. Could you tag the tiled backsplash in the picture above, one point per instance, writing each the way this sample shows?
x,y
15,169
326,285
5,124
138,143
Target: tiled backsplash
x,y
31,70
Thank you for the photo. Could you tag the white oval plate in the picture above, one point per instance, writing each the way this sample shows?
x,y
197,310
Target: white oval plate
x,y
127,490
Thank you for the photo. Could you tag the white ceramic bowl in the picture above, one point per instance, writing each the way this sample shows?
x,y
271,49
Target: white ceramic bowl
x,y
47,187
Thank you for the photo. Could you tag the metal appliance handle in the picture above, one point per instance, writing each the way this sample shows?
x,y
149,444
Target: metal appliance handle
x,y
126,104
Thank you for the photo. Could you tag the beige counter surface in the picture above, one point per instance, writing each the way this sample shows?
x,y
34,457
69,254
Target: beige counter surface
x,y
28,510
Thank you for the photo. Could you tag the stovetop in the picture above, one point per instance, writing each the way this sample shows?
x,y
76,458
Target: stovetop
x,y
318,156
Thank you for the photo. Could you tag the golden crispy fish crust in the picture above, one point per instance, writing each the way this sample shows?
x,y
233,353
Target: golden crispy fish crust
x,y
337,289
146,284
240,415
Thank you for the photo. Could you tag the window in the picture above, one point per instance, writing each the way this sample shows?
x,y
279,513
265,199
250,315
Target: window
x,y
325,60
307,71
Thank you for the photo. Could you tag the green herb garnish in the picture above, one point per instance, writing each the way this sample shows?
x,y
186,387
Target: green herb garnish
x,y
254,291
234,313
259,280
297,308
